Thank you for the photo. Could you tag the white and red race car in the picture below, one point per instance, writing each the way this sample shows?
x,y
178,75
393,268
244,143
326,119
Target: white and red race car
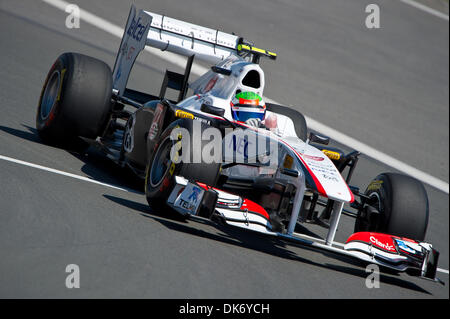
x,y
219,155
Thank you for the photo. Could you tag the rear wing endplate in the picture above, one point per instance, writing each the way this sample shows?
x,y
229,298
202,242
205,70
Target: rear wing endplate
x,y
133,42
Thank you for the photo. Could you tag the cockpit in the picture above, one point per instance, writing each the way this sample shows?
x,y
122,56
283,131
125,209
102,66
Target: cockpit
x,y
241,76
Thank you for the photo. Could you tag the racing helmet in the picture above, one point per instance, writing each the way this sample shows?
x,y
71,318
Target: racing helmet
x,y
247,105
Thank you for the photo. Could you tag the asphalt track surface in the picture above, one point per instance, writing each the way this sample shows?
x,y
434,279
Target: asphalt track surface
x,y
387,87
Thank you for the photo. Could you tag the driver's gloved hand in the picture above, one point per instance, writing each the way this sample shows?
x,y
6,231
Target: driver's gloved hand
x,y
254,122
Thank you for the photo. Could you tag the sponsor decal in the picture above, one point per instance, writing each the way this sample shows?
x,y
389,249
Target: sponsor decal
x,y
378,243
210,84
240,145
404,246
128,141
382,241
374,185
137,29
154,127
130,52
172,169
63,71
323,169
332,155
331,178
202,120
193,197
314,158
184,114
248,102
190,198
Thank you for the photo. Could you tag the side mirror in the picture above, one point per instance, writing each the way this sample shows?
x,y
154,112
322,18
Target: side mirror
x,y
220,70
319,139
212,110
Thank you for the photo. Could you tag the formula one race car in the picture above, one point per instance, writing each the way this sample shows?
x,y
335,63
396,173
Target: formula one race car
x,y
223,153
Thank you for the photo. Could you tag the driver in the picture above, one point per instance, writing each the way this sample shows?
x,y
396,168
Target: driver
x,y
249,107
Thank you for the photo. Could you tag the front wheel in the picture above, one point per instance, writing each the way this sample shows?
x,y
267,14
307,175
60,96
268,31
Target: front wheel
x,y
399,204
166,160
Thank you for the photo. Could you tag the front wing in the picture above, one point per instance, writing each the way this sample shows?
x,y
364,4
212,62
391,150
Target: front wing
x,y
400,254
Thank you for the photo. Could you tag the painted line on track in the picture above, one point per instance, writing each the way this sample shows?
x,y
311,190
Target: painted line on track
x,y
426,9
342,138
125,189
59,172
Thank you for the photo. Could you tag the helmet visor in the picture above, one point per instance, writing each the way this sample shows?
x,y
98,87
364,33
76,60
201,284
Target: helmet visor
x,y
244,112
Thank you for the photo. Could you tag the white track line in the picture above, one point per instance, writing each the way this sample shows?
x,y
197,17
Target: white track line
x,y
313,124
52,170
426,9
125,189
444,271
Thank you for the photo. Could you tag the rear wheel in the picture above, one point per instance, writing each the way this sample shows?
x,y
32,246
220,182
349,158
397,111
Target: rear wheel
x,y
75,99
398,206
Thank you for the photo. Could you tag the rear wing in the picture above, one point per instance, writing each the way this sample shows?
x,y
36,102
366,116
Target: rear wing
x,y
187,39
167,34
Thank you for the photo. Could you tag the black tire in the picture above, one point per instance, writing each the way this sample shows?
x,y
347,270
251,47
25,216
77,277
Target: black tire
x,y
75,99
161,171
402,202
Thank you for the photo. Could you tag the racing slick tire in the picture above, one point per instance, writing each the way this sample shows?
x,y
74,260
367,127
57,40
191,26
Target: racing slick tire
x,y
161,169
75,99
400,203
